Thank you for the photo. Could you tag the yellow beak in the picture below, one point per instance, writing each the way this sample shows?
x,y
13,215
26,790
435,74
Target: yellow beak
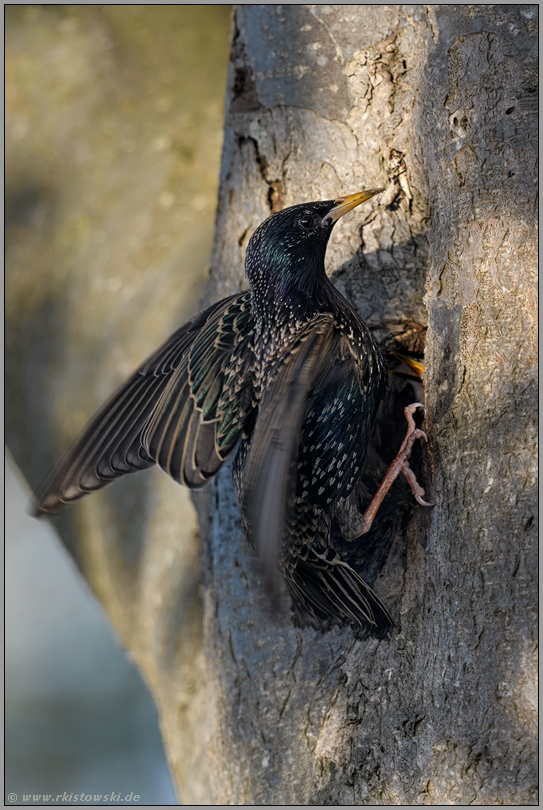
x,y
410,362
344,204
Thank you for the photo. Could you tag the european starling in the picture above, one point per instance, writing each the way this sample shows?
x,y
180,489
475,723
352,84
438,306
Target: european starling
x,y
290,372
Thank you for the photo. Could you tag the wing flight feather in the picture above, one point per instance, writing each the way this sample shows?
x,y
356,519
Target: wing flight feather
x,y
168,412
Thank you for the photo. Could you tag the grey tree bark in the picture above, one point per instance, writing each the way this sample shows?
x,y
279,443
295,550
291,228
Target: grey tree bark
x,y
437,104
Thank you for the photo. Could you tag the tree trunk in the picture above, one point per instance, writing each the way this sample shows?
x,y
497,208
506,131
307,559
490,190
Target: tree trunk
x,y
437,104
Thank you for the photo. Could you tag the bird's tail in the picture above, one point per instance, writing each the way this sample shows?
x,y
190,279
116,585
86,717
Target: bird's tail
x,y
326,591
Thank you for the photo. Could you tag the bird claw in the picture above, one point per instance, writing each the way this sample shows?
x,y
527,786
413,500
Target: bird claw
x,y
416,488
413,433
412,429
400,465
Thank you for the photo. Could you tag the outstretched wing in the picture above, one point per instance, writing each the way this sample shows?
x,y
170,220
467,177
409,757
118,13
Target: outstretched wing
x,y
183,409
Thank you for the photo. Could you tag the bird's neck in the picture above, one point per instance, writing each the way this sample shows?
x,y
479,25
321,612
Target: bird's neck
x,y
280,312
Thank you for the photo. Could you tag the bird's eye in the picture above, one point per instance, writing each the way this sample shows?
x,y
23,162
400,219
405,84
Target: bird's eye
x,y
307,222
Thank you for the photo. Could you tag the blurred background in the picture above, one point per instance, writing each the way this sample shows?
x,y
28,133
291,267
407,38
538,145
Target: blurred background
x,y
113,137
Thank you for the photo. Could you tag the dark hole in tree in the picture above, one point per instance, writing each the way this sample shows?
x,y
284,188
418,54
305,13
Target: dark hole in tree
x,y
509,110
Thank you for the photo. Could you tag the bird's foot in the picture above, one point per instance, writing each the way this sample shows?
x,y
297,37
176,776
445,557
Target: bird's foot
x,y
413,433
400,465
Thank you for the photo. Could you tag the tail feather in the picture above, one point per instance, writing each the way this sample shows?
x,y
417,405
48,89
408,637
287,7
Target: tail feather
x,y
326,591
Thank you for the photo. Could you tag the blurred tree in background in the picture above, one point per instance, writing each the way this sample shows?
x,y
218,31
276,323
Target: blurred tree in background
x,y
113,133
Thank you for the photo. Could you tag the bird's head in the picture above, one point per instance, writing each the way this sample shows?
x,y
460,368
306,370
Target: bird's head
x,y
285,255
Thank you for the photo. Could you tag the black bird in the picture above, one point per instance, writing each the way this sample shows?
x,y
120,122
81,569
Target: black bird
x,y
289,370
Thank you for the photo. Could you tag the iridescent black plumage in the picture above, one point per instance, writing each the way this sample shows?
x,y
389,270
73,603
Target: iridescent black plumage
x,y
290,369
